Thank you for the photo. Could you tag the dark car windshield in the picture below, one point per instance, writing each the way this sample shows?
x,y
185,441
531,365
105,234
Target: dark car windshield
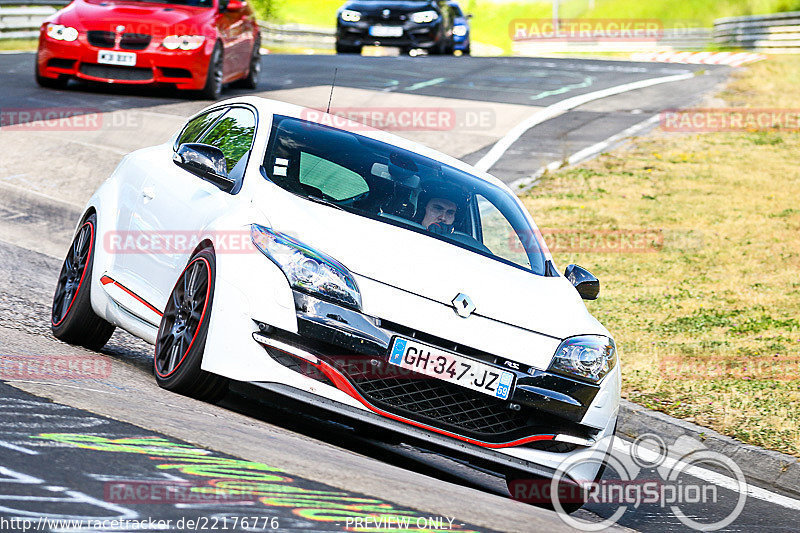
x,y
386,183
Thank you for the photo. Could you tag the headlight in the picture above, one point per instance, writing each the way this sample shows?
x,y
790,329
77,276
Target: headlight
x,y
348,15
459,31
307,269
60,32
184,42
423,17
588,357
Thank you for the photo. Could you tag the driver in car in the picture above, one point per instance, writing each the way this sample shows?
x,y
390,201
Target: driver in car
x,y
437,210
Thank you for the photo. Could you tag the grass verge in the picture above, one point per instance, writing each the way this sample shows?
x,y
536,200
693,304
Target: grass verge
x,y
25,45
707,322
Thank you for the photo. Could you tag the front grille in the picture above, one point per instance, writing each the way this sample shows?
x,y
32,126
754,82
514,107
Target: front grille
x,y
111,72
395,18
433,402
101,39
438,403
134,41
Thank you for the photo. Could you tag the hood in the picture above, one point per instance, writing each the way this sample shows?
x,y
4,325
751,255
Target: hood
x,y
434,269
371,8
138,17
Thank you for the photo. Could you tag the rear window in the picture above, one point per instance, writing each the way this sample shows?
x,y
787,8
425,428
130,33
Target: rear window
x,y
386,183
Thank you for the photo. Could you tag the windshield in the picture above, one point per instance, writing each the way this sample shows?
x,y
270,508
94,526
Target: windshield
x,y
386,183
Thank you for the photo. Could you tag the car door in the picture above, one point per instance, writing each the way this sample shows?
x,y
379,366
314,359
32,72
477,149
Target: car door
x,y
234,26
181,205
135,191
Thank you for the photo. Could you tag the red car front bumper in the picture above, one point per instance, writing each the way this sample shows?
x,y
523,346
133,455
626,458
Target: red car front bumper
x,y
154,64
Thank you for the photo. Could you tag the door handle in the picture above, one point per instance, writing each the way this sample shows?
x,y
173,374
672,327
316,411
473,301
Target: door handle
x,y
149,193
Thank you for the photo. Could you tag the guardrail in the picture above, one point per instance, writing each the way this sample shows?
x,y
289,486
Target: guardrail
x,y
297,36
775,33
22,22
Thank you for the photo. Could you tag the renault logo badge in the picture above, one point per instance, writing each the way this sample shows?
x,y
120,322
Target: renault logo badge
x,y
463,305
120,28
386,13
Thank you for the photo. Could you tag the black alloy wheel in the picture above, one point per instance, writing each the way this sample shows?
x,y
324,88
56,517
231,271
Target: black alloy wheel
x,y
72,318
183,331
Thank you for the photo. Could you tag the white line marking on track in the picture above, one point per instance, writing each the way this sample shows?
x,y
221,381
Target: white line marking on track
x,y
559,108
711,477
16,448
423,84
586,153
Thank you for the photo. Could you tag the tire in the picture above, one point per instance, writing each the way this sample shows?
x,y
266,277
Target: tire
x,y
181,338
251,81
72,318
49,83
213,88
345,49
467,51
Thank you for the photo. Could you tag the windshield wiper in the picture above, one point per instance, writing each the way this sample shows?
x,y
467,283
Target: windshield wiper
x,y
323,201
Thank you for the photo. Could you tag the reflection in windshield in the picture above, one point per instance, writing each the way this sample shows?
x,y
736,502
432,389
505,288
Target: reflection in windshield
x,y
383,182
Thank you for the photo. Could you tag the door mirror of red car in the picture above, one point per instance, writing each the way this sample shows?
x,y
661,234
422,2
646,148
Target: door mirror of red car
x,y
235,5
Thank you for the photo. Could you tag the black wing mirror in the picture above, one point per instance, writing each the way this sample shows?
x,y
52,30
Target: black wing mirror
x,y
206,162
584,281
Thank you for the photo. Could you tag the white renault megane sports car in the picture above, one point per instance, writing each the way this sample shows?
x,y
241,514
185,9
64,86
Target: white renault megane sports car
x,y
351,269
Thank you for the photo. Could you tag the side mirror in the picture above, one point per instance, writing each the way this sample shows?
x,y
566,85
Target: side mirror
x,y
584,281
206,162
235,5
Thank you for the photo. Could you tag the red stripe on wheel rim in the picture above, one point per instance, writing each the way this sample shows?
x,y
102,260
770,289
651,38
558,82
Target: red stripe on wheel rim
x,y
199,323
83,274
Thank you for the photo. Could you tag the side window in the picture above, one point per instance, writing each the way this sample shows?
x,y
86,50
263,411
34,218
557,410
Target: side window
x,y
333,180
499,236
233,134
197,126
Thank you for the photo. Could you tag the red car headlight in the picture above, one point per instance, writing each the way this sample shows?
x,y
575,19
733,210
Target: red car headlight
x,y
183,42
60,32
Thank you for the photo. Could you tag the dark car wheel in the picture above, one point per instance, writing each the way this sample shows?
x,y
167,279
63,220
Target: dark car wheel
x,y
251,81
50,83
345,49
181,338
73,320
213,88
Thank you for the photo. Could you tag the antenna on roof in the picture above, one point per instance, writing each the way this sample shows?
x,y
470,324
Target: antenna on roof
x,y
332,86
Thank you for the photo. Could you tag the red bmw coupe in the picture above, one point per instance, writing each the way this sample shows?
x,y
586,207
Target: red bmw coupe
x,y
191,44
